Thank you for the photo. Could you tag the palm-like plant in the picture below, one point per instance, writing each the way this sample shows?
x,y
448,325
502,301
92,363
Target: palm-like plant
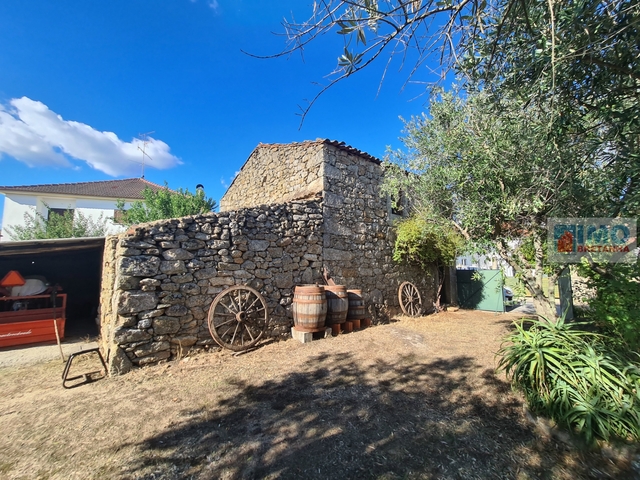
x,y
573,377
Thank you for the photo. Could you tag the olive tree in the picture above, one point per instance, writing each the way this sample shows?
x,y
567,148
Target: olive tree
x,y
496,177
164,203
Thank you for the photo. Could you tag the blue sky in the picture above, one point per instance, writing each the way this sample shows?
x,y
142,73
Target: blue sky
x,y
81,80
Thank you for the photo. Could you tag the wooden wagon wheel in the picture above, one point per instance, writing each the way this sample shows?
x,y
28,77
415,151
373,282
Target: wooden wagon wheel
x,y
238,318
410,300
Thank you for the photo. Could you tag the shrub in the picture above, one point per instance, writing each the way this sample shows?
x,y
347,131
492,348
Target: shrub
x,y
616,305
71,224
574,378
165,203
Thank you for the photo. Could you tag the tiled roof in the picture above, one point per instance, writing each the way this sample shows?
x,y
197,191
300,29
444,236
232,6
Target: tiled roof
x,y
326,141
128,188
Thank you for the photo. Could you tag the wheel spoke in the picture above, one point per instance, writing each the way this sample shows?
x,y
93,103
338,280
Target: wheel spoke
x,y
239,299
252,304
249,332
236,309
226,331
224,323
228,309
234,333
253,312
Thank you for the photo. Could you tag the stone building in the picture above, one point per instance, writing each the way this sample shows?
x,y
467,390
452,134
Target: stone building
x,y
292,210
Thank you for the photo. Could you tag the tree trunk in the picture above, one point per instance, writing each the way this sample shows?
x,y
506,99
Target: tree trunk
x,y
544,305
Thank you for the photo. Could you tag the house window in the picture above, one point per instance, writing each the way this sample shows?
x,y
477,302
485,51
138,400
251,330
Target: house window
x,y
60,211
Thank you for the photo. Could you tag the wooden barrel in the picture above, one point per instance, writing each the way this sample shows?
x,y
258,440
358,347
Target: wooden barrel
x,y
356,305
337,303
309,308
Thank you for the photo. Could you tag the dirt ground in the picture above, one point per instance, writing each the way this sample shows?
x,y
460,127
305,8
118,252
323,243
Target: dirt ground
x,y
416,398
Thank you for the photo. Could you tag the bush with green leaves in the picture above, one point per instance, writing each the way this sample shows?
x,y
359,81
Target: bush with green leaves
x,y
70,224
616,304
165,203
575,378
427,242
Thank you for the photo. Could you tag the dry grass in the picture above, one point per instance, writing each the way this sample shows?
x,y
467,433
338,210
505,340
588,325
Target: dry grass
x,y
418,398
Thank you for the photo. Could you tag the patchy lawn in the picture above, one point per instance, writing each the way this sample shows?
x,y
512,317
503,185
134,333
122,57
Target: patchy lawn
x,y
418,398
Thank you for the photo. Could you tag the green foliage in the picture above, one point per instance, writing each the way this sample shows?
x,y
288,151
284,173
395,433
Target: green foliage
x,y
616,304
493,172
165,203
573,377
426,243
578,60
69,225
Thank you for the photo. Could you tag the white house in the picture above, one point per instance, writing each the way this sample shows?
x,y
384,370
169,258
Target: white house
x,y
92,199
489,261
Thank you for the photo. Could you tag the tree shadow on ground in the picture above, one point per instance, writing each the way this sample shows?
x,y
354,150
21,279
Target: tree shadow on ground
x,y
335,418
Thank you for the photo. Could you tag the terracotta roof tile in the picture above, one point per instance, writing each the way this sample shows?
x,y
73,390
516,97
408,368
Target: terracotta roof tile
x,y
126,189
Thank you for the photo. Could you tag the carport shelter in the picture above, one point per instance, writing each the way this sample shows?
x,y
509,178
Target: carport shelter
x,y
73,263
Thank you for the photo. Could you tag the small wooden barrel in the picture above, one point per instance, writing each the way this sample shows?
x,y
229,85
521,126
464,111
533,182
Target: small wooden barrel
x,y
309,308
356,305
337,303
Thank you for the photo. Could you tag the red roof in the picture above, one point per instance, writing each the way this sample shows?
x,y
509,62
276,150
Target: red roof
x,y
128,188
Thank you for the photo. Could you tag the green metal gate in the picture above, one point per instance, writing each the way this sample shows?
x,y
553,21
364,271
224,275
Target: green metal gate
x,y
480,290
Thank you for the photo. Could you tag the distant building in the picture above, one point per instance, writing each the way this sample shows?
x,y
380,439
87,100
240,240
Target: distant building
x,y
92,199
489,261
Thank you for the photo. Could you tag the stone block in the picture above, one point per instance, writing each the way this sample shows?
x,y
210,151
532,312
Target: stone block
x,y
221,281
133,302
172,267
177,254
176,311
193,244
130,335
185,341
283,280
206,273
164,325
152,358
182,278
138,266
119,363
190,289
331,254
258,245
151,348
198,300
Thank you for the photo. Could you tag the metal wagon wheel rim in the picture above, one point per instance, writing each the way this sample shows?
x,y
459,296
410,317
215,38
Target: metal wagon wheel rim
x,y
238,318
410,300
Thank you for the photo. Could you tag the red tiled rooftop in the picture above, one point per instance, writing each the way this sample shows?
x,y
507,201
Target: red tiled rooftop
x,y
128,188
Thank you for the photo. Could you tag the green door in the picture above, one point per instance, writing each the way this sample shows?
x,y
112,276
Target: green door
x,y
480,290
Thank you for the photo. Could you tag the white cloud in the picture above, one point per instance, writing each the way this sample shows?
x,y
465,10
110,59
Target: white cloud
x,y
33,134
213,5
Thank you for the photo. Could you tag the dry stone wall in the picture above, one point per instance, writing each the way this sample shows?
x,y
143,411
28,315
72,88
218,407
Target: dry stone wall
x,y
276,174
159,279
358,235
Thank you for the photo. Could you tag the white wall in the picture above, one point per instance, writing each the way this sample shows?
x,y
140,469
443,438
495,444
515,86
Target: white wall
x,y
484,262
16,205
